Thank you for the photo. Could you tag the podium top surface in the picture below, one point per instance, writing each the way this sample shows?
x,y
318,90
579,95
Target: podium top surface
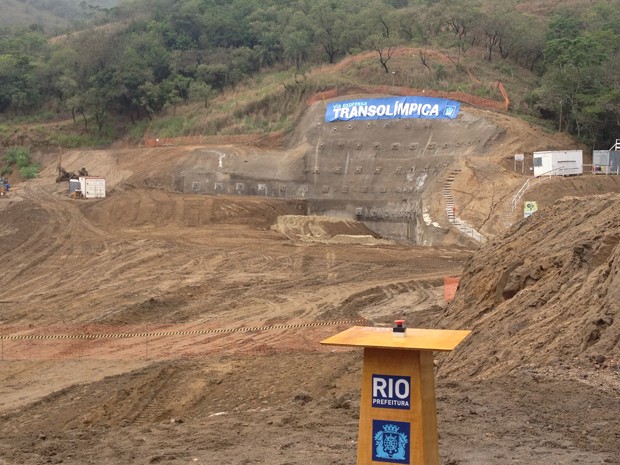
x,y
383,338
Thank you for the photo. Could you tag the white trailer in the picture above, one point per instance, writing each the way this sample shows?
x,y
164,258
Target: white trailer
x,y
558,163
92,187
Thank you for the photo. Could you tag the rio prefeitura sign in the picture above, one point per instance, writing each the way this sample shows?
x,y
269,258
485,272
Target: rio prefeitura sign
x,y
398,422
392,108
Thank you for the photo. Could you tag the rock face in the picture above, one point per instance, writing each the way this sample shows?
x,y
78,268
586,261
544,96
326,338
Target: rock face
x,y
548,291
378,172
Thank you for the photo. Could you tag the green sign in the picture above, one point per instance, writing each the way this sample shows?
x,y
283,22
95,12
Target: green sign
x,y
529,207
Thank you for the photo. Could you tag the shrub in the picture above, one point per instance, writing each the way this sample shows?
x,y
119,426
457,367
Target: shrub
x,y
29,172
18,156
81,140
440,72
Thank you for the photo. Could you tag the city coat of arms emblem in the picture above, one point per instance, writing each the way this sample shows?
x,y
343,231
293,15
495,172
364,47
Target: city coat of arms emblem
x,y
391,441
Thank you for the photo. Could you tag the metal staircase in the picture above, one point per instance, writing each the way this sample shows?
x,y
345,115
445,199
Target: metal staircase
x,y
461,225
447,194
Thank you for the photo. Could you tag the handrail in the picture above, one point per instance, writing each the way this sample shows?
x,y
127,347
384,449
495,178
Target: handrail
x,y
616,146
520,193
461,225
550,173
530,182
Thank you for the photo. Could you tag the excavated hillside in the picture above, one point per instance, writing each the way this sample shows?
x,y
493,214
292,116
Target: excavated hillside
x,y
168,324
546,292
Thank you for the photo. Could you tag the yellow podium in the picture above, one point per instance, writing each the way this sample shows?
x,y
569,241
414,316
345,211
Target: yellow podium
x,y
398,419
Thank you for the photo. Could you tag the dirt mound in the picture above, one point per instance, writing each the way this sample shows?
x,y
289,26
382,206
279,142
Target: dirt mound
x,y
157,208
546,293
178,390
325,229
174,271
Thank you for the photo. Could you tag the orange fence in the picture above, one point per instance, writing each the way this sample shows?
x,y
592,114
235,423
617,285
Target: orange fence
x,y
502,89
450,286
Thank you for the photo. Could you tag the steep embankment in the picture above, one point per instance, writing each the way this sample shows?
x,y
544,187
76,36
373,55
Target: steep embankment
x,y
547,292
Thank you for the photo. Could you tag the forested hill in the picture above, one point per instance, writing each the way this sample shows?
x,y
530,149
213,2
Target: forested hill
x,y
49,15
144,59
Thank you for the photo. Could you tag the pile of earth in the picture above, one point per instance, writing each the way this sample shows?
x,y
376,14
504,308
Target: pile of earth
x,y
537,380
545,294
326,229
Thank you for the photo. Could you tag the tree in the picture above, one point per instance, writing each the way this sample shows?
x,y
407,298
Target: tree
x,y
202,91
151,98
331,22
77,104
269,49
99,105
385,49
19,89
213,75
581,52
242,63
564,25
59,75
329,38
128,88
531,45
296,43
492,35
575,80
227,24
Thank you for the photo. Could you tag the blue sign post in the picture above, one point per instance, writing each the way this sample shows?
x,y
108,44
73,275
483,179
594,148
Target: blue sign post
x,y
398,422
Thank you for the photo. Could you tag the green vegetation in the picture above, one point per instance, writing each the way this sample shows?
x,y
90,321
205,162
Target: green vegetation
x,y
80,140
51,15
20,157
188,67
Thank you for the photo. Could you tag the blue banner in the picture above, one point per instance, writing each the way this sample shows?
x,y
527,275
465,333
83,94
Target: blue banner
x,y
392,108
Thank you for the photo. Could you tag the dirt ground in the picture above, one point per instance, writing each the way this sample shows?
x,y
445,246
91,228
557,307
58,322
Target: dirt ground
x,y
157,327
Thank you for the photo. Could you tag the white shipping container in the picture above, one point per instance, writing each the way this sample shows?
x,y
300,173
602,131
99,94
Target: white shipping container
x,y
93,187
74,185
558,163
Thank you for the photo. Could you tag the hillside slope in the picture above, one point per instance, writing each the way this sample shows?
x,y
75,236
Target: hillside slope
x,y
164,326
546,293
50,14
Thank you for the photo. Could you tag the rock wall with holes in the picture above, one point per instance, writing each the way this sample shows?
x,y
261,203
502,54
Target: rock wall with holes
x,y
380,172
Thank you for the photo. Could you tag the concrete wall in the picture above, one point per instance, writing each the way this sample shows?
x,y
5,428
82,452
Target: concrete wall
x,y
375,171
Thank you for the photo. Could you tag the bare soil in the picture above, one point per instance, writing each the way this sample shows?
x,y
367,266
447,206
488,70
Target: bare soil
x,y
157,327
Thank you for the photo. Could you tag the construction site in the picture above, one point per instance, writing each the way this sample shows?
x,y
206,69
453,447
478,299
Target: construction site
x,y
175,314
